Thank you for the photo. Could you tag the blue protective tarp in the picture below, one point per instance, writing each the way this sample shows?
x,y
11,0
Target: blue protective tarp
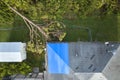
x,y
58,61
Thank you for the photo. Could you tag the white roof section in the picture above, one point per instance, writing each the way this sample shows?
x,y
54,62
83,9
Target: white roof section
x,y
12,51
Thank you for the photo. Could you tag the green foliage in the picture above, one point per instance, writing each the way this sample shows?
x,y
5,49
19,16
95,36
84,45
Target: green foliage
x,y
5,14
58,9
56,31
14,68
113,7
35,48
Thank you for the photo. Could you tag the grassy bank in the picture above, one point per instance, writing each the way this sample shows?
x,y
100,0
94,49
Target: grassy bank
x,y
102,28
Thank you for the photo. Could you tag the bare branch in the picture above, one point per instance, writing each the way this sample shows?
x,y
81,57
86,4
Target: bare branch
x,y
30,22
30,31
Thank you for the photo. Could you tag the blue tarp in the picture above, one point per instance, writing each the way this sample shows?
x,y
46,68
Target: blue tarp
x,y
58,61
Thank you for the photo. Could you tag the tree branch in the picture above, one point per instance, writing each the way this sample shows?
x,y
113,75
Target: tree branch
x,y
30,22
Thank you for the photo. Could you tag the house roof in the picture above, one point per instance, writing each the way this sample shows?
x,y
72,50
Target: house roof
x,y
78,60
